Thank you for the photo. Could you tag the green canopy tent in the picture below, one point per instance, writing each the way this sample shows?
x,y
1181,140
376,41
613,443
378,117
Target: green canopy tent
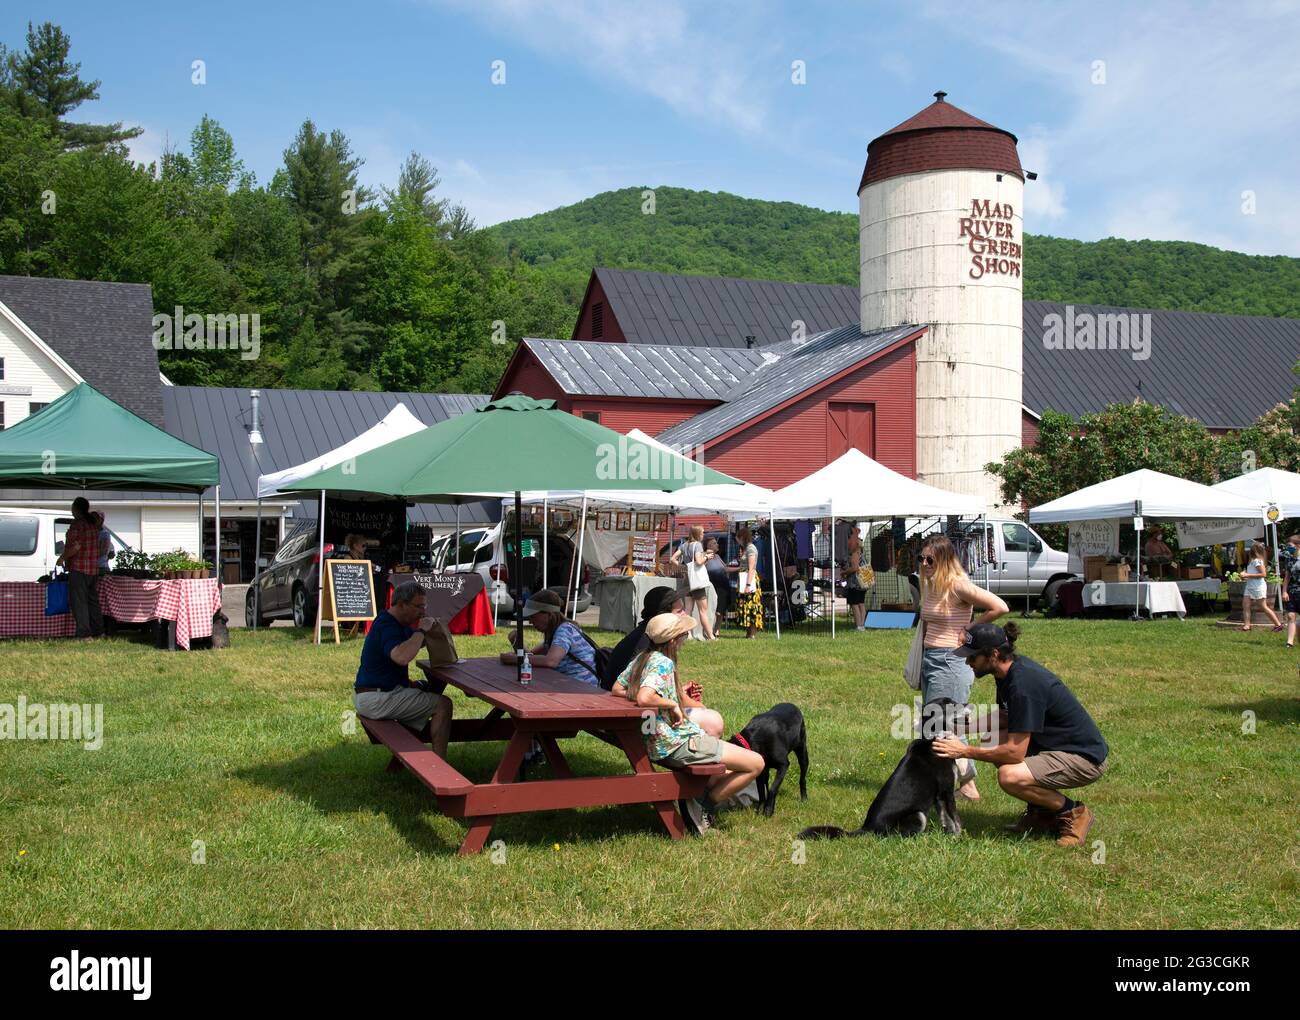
x,y
83,440
526,443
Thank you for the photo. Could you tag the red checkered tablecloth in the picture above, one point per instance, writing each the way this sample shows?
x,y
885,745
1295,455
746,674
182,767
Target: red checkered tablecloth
x,y
191,603
22,612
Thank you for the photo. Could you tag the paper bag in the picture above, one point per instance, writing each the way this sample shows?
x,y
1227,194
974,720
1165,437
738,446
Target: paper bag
x,y
439,645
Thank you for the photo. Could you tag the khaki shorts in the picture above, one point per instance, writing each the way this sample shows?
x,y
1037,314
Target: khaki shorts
x,y
409,706
1061,770
698,750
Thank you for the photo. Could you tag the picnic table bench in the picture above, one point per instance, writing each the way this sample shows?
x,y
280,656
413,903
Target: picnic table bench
x,y
551,708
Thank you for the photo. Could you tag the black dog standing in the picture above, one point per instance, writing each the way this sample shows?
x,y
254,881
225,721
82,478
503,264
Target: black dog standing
x,y
921,781
774,734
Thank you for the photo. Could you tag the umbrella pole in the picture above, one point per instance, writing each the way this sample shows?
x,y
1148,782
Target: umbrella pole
x,y
777,579
320,560
257,557
519,577
577,569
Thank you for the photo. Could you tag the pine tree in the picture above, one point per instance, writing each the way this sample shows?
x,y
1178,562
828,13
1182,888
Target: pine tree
x,y
44,85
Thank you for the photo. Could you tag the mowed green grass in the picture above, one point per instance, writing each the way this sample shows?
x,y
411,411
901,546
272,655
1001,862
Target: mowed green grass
x,y
244,749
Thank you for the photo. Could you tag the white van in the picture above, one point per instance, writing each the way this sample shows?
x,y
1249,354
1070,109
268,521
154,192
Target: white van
x,y
31,540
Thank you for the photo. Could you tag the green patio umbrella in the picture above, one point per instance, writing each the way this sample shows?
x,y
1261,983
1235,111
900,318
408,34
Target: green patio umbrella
x,y
504,447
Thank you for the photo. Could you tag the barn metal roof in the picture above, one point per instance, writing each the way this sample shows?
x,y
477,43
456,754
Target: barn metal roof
x,y
588,368
715,311
296,425
1223,370
789,369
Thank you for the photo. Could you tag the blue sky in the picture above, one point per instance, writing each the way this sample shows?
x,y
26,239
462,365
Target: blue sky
x,y
1143,120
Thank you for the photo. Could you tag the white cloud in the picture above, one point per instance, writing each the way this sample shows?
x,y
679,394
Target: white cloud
x,y
145,148
650,47
1044,197
1197,104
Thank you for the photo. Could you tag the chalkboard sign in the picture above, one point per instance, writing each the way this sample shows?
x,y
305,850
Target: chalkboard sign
x,y
350,592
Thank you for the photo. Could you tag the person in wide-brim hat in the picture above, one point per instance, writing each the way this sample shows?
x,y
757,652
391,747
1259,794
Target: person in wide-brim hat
x,y
653,681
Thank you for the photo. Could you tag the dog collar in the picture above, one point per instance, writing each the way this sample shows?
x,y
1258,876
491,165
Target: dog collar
x,y
740,739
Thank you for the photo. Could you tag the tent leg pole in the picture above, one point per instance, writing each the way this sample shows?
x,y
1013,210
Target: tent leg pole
x,y
1277,568
1137,587
833,592
458,538
577,570
776,576
320,559
546,520
257,558
216,531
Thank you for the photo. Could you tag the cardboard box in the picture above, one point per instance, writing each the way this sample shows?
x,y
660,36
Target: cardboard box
x,y
1193,573
1092,567
1115,572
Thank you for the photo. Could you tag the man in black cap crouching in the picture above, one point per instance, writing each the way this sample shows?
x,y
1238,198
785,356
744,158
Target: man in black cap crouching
x,y
1048,742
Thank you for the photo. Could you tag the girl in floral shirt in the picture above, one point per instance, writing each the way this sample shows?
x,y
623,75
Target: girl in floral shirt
x,y
652,681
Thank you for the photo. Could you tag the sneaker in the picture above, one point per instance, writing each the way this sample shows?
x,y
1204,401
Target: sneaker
x,y
1035,819
1073,826
698,819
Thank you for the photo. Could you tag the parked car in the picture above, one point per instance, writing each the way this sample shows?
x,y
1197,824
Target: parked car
x,y
483,550
288,586
1023,564
31,540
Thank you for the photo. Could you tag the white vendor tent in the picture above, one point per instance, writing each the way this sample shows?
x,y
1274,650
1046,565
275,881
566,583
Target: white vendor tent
x,y
1146,493
859,487
1270,487
396,424
399,422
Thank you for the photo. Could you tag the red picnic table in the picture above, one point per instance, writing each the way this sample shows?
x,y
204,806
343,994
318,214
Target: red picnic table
x,y
552,707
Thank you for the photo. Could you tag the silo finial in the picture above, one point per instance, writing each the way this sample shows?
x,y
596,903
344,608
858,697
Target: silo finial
x,y
938,96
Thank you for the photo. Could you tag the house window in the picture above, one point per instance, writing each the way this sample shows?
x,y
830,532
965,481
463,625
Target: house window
x,y
2,369
33,407
598,320
592,416
2,416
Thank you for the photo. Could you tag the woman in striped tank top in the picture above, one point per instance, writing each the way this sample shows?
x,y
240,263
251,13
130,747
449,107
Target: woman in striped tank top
x,y
948,597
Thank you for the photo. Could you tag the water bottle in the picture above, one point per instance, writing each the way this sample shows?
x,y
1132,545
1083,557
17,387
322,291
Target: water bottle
x,y
525,672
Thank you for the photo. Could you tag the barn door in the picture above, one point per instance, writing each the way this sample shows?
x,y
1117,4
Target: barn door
x,y
850,425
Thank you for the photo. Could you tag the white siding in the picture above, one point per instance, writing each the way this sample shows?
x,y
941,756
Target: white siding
x,y
916,269
26,365
163,528
124,522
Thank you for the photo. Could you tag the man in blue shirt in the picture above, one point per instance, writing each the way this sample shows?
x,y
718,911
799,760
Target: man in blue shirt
x,y
383,690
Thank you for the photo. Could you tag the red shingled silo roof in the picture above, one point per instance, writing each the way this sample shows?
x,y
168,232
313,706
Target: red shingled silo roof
x,y
940,137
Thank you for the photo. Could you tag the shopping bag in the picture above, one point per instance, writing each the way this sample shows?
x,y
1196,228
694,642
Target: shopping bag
x,y
56,597
912,668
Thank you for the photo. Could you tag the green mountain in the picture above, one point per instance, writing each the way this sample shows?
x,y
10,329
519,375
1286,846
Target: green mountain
x,y
717,234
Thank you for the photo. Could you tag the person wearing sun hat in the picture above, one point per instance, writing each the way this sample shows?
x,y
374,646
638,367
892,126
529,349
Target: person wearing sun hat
x,y
653,680
1049,742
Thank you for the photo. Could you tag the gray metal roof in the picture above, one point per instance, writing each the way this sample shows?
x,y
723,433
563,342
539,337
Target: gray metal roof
x,y
590,368
103,330
1223,370
714,311
790,369
296,425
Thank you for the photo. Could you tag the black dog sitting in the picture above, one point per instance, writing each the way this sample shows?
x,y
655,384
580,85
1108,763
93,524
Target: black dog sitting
x,y
921,781
774,734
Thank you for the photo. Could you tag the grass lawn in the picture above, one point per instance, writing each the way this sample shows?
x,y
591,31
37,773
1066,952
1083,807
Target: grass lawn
x,y
244,749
